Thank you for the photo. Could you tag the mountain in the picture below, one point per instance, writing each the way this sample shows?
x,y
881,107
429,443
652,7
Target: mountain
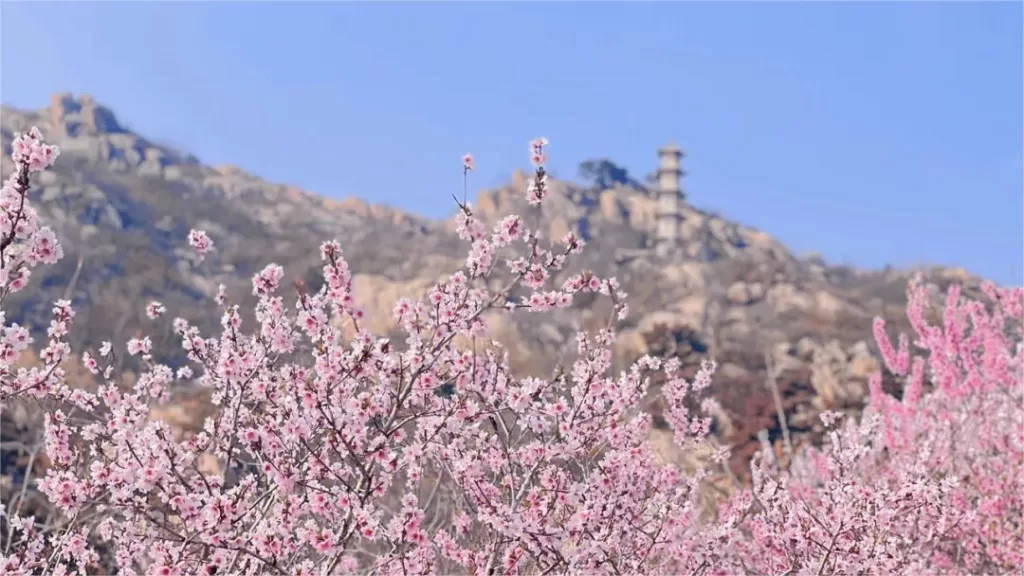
x,y
122,206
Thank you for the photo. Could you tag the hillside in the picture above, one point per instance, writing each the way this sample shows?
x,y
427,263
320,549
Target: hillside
x,y
122,206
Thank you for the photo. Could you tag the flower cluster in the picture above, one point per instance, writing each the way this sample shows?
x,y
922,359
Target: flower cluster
x,y
24,242
332,450
537,190
155,310
200,242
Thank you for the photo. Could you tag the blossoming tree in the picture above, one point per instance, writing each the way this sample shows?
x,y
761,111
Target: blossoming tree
x,y
334,451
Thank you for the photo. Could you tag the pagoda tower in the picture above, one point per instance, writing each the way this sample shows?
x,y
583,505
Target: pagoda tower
x,y
670,197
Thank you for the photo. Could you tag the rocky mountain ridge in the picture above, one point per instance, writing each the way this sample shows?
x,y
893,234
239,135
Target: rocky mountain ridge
x,y
122,206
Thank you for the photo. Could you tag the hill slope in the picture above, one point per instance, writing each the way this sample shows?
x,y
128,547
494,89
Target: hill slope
x,y
122,206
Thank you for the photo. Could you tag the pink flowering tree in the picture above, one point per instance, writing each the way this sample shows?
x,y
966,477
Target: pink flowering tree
x,y
931,483
334,451
329,452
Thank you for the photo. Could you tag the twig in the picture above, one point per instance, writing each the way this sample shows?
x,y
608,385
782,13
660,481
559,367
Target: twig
x,y
74,278
770,380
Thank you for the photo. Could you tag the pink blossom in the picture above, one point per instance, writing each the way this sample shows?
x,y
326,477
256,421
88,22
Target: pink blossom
x,y
29,150
139,346
268,280
155,310
200,242
829,417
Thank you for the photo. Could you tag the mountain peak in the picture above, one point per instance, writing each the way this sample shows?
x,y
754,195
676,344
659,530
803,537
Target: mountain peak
x,y
81,116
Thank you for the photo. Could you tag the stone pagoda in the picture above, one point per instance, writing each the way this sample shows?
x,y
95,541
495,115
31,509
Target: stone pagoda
x,y
670,197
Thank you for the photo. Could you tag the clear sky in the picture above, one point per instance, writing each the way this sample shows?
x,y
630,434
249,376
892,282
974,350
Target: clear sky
x,y
872,133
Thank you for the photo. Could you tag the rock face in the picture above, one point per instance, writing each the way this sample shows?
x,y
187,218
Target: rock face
x,y
123,205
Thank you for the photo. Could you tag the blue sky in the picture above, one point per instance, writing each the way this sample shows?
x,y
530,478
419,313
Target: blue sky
x,y
873,133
